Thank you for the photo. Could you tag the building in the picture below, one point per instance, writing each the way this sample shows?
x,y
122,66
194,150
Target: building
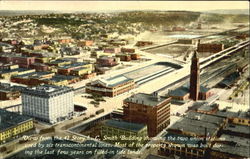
x,y
13,125
150,109
135,56
8,92
59,62
85,43
117,130
8,74
32,78
195,77
143,43
124,57
229,80
40,67
229,146
48,103
185,41
176,28
65,40
112,50
128,50
105,61
183,93
192,136
77,68
111,87
22,61
209,47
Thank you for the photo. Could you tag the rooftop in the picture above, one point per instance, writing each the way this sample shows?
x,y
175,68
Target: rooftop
x,y
146,99
196,123
238,128
124,125
113,81
183,90
233,145
10,119
47,90
34,74
182,139
74,65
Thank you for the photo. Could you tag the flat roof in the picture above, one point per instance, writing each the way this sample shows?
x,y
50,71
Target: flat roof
x,y
74,65
47,90
146,99
124,125
33,74
233,145
183,90
113,81
183,140
197,123
10,119
237,128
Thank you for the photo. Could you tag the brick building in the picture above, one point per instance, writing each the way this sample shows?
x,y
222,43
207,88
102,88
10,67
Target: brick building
x,y
143,43
111,87
105,61
22,61
112,50
213,48
85,43
149,109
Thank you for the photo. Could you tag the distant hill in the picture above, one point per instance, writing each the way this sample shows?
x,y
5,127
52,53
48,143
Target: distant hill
x,y
229,11
24,12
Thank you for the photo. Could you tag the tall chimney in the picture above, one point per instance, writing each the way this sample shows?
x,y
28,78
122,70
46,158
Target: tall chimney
x,y
205,136
53,141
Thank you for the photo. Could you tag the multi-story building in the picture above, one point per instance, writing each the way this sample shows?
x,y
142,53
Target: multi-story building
x,y
85,43
84,67
111,87
22,61
124,56
112,50
143,43
128,50
105,61
115,131
8,92
213,48
192,136
150,109
48,103
12,125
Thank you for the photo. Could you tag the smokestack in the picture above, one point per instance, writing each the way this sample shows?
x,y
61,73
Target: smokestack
x,y
199,41
53,141
205,136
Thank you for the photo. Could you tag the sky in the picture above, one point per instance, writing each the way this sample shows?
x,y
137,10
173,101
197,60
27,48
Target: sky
x,y
121,5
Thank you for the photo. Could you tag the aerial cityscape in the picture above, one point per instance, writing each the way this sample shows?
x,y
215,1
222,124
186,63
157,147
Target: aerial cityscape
x,y
124,80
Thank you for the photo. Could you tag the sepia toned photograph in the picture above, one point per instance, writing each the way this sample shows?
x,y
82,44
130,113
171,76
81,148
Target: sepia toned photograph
x,y
124,80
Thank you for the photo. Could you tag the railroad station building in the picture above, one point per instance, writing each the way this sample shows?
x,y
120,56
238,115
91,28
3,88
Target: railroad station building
x,y
111,87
